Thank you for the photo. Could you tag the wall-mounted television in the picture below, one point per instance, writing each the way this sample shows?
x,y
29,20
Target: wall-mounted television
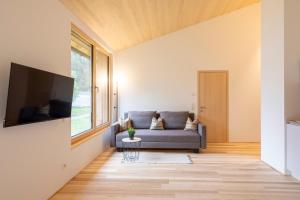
x,y
35,96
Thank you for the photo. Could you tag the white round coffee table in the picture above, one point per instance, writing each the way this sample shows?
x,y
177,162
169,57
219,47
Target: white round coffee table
x,y
131,148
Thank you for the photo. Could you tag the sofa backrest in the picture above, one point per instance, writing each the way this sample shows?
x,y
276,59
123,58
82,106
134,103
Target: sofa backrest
x,y
191,115
141,119
174,120
171,120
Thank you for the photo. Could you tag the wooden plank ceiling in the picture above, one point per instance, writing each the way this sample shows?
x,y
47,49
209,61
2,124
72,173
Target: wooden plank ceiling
x,y
125,23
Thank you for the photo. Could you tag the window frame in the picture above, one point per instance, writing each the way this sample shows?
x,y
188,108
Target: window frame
x,y
95,130
109,83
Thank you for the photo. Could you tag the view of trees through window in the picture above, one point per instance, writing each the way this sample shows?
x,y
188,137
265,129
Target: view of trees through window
x,y
81,70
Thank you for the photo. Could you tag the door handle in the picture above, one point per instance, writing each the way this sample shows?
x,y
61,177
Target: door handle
x,y
202,108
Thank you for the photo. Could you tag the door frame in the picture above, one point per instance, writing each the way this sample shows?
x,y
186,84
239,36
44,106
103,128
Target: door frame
x,y
227,96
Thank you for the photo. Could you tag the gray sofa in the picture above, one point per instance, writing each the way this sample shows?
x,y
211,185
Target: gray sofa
x,y
172,137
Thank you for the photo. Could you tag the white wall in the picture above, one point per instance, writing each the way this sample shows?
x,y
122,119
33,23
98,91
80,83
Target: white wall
x,y
161,74
292,83
292,59
272,84
37,33
280,77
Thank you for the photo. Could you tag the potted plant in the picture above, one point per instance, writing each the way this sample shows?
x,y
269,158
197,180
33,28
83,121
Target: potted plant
x,y
131,133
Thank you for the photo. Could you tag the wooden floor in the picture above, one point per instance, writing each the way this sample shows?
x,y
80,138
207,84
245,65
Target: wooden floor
x,y
224,175
233,148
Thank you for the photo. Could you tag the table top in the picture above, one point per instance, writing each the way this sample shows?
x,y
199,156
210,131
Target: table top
x,y
135,139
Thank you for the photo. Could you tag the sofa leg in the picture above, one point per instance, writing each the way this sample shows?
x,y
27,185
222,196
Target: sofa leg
x,y
119,149
196,150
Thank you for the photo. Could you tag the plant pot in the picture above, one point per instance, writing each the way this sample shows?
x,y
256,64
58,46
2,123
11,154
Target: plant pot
x,y
131,137
131,133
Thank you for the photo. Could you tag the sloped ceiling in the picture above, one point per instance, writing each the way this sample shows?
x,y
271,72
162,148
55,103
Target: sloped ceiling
x,y
125,23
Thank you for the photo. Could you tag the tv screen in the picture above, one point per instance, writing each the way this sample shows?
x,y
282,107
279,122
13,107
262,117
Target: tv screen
x,y
35,96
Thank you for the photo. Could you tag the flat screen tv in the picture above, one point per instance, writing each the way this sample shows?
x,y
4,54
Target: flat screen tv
x,y
35,96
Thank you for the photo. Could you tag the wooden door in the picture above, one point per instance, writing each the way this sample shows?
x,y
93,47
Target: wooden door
x,y
213,104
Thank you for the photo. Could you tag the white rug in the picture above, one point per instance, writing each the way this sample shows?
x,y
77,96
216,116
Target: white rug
x,y
163,158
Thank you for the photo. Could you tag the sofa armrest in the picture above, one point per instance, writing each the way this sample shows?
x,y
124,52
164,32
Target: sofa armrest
x,y
114,130
202,133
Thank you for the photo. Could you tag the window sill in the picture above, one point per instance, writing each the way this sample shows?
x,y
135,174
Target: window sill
x,y
85,136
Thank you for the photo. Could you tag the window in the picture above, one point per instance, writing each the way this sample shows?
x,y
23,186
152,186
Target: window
x,y
81,71
90,70
102,88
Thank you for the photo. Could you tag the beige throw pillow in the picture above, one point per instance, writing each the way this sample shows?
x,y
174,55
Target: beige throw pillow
x,y
125,124
156,124
190,125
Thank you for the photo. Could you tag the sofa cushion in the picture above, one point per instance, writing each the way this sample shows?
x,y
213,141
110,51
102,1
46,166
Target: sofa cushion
x,y
141,119
157,124
190,125
125,124
174,120
177,136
